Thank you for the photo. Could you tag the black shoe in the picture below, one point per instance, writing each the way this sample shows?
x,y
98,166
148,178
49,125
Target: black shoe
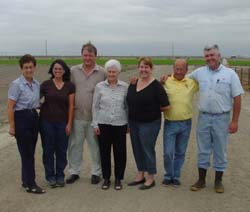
x,y
35,190
60,183
72,178
176,182
167,182
118,184
25,186
52,183
145,187
106,184
134,183
95,179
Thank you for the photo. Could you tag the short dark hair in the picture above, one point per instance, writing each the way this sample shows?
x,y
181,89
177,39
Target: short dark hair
x,y
146,61
89,47
27,58
66,75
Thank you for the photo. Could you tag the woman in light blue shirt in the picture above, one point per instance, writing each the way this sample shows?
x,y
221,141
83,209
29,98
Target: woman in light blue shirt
x,y
23,100
110,122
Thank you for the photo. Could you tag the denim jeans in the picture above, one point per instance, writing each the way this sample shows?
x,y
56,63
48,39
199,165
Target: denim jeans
x,y
143,137
212,137
175,141
55,144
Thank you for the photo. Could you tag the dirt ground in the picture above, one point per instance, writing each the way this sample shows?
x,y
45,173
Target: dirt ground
x,y
82,196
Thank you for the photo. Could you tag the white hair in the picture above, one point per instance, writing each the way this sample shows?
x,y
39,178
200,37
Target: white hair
x,y
213,46
113,64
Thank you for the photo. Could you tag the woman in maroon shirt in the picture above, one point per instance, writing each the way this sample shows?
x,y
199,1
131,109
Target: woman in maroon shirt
x,y
56,121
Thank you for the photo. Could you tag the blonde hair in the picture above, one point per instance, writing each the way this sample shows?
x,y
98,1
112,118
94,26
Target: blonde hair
x,y
146,61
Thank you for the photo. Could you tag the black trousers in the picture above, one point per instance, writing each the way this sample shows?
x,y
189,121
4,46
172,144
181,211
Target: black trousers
x,y
116,136
26,133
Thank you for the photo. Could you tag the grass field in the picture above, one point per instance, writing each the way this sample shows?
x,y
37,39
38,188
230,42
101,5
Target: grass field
x,y
123,60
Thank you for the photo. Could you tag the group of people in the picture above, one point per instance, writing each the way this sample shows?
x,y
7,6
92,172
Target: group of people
x,y
54,123
91,103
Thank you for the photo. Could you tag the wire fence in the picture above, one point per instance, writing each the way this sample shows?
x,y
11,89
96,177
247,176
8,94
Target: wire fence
x,y
244,75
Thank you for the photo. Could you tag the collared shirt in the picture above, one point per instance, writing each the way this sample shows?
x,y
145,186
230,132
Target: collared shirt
x,y
217,88
85,85
180,94
25,94
109,104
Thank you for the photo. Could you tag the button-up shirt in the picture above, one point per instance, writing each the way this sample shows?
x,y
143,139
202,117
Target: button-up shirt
x,y
217,88
85,86
109,104
180,94
25,94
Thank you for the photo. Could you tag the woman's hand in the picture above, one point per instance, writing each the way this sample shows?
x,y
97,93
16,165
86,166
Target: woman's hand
x,y
133,80
68,129
12,131
97,131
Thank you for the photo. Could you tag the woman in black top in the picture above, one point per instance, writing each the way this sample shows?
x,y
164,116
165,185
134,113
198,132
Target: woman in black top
x,y
146,99
56,121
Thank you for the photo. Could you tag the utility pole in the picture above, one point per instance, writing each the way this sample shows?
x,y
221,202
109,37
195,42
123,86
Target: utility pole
x,y
46,48
172,49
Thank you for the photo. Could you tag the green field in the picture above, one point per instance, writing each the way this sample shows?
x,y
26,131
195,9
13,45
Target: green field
x,y
123,60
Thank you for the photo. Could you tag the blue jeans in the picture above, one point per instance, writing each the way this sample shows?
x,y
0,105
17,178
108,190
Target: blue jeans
x,y
175,141
55,144
212,137
143,137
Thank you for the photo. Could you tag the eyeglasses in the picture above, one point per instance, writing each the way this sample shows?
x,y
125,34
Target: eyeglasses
x,y
209,47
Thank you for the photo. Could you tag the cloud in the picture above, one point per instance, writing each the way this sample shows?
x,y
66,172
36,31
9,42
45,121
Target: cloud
x,y
141,27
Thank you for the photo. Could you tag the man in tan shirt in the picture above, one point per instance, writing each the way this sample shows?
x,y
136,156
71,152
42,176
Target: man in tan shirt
x,y
85,77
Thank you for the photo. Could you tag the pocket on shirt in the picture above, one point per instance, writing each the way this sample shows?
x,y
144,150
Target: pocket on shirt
x,y
222,87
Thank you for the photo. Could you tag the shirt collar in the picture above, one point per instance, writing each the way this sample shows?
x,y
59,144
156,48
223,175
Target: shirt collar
x,y
96,68
107,83
218,69
24,81
183,80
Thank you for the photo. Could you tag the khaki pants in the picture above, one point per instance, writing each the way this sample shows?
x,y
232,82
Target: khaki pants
x,y
82,130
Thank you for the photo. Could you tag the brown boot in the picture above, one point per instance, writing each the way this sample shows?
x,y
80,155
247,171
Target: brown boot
x,y
218,186
201,182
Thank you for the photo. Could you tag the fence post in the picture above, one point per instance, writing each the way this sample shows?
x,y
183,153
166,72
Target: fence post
x,y
249,78
241,75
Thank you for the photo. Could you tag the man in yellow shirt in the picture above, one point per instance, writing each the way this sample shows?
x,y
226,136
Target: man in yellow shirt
x,y
178,120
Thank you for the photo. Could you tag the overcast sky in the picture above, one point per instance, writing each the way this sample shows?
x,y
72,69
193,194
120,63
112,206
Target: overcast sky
x,y
124,27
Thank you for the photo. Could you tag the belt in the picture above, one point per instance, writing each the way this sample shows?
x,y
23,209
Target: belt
x,y
26,110
178,120
214,113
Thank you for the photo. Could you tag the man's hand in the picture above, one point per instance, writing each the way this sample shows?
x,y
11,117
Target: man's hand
x,y
163,79
233,127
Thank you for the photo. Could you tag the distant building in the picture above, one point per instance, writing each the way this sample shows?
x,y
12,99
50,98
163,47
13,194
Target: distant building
x,y
225,62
